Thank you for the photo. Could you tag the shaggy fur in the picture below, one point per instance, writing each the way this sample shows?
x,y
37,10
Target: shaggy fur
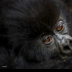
x,y
22,25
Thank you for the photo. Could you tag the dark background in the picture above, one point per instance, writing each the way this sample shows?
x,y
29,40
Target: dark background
x,y
68,3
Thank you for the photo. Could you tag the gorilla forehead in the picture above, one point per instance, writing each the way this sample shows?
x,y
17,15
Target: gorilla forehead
x,y
43,14
32,11
44,11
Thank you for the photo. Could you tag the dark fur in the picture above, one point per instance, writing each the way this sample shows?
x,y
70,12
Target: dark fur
x,y
22,23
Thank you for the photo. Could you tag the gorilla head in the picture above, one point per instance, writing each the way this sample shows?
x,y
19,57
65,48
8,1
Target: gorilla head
x,y
34,33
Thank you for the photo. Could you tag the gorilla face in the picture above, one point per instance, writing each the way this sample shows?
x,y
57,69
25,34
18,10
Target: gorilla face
x,y
62,36
57,44
34,31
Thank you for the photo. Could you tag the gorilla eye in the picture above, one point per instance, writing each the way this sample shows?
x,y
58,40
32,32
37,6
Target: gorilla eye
x,y
59,28
48,39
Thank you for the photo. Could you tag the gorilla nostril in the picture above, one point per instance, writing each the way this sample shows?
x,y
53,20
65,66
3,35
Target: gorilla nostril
x,y
66,50
71,42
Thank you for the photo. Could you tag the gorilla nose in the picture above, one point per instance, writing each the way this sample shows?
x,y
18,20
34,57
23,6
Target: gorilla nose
x,y
66,50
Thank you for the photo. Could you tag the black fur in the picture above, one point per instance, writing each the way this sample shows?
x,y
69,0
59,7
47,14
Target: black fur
x,y
22,25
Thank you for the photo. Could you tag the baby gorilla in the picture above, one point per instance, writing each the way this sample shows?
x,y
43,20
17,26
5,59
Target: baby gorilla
x,y
35,34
